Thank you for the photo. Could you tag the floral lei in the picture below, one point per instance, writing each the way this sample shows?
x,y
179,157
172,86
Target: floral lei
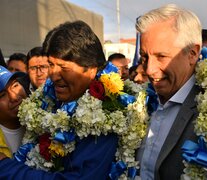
x,y
52,127
195,155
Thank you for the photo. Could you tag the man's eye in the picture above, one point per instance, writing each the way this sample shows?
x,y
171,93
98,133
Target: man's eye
x,y
33,68
161,56
50,64
15,84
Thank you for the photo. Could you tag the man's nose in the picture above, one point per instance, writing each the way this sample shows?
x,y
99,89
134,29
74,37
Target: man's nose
x,y
151,66
13,94
54,73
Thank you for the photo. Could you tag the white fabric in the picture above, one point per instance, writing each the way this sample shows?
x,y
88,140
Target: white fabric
x,y
13,137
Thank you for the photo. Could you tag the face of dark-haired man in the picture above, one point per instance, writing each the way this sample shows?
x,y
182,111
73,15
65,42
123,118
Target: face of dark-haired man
x,y
70,79
38,70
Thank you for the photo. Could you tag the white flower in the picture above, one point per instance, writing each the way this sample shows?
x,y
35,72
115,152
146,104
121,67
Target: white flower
x,y
193,171
130,124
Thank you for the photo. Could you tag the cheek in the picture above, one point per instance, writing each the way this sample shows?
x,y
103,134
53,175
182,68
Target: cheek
x,y
32,77
22,92
3,107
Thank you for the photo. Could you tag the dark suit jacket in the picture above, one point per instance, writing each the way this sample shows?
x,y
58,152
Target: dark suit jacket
x,y
169,165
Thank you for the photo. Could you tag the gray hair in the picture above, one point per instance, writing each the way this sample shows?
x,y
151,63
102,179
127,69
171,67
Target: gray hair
x,y
186,23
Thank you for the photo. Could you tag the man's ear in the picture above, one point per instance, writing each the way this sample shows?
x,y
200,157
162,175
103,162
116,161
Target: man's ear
x,y
194,53
93,72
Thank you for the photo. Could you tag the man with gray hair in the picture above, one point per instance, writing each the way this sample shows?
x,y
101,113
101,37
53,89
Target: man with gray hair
x,y
170,47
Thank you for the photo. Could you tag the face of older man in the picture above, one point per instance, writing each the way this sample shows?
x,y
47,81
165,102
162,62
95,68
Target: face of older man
x,y
166,64
70,79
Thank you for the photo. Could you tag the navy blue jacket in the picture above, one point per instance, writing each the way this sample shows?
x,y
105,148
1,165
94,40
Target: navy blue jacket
x,y
91,160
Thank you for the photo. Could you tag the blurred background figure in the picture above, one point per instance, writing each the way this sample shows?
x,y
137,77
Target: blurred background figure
x,y
141,76
38,67
137,74
132,72
121,62
11,95
17,62
2,61
203,54
204,37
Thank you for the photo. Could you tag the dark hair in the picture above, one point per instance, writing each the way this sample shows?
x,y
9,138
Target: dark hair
x,y
116,56
76,42
36,51
18,57
2,61
204,35
132,68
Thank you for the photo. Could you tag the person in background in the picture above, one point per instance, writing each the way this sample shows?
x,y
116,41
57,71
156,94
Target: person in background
x,y
38,67
141,76
75,56
169,52
17,62
2,60
11,95
120,61
132,72
137,74
204,37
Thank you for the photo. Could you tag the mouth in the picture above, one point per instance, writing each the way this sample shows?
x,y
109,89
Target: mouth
x,y
156,80
60,88
41,79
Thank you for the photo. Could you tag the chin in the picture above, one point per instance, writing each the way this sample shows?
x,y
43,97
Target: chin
x,y
62,98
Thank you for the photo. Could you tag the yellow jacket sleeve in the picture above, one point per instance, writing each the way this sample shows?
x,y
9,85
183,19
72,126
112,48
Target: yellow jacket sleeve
x,y
3,146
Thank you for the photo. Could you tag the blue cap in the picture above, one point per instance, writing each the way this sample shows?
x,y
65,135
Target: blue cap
x,y
204,52
6,75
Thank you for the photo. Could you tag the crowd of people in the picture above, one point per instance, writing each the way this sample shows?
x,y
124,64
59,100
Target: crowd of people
x,y
70,59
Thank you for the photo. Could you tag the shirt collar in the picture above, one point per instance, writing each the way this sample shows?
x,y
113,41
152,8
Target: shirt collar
x,y
182,93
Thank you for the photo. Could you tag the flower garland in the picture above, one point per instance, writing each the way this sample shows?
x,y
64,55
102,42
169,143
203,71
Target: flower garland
x,y
195,154
57,124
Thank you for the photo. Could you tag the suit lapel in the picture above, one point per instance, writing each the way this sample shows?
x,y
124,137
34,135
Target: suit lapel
x,y
184,115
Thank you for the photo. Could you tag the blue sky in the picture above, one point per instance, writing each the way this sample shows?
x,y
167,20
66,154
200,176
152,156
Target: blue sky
x,y
131,9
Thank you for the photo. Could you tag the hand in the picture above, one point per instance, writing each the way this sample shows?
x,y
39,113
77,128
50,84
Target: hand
x,y
2,156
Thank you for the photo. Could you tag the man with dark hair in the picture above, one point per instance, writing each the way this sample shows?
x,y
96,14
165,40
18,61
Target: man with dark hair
x,y
120,61
2,61
37,66
204,37
141,76
132,72
75,55
17,62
